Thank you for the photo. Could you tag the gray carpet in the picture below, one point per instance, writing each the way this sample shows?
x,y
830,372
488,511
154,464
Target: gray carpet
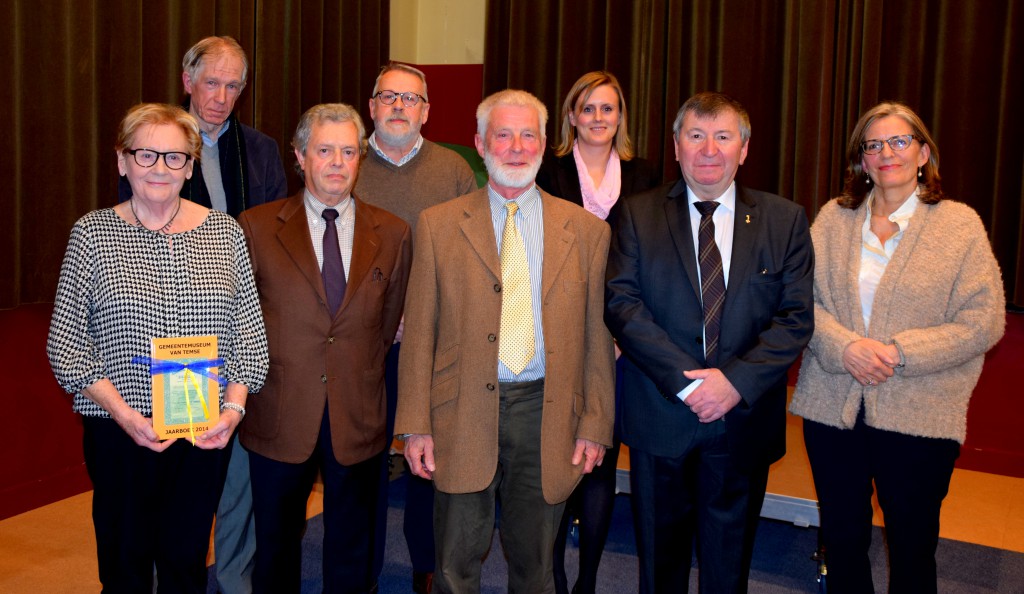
x,y
781,563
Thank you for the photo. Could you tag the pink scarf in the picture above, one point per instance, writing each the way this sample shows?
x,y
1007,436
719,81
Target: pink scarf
x,y
599,200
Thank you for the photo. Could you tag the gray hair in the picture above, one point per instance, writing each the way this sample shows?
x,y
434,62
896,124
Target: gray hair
x,y
400,67
327,112
513,98
710,105
196,56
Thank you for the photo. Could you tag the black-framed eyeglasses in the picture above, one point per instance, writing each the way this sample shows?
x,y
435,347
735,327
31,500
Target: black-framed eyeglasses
x,y
896,143
409,99
148,158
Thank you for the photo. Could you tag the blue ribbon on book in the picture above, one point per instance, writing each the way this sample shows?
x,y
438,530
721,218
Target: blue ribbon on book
x,y
202,367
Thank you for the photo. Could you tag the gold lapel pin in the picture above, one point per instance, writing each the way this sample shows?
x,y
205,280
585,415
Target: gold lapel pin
x,y
748,219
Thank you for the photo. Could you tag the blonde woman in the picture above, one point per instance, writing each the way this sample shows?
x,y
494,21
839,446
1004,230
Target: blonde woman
x,y
594,166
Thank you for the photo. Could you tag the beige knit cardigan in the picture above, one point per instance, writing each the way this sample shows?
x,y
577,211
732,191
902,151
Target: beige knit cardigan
x,y
940,302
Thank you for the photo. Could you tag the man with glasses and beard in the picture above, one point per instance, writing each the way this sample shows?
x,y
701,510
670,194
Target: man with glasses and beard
x,y
504,310
405,173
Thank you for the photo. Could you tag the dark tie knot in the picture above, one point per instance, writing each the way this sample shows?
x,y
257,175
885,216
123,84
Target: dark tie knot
x,y
706,207
329,214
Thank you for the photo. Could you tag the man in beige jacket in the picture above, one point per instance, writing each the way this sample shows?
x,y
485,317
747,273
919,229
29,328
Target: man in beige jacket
x,y
495,401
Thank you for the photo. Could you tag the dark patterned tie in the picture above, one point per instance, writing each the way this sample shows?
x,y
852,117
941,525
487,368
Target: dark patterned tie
x,y
712,280
333,270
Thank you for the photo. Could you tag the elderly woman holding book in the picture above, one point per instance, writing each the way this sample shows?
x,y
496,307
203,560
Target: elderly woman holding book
x,y
156,268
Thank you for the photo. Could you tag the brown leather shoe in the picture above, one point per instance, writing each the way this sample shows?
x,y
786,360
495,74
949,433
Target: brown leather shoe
x,y
422,582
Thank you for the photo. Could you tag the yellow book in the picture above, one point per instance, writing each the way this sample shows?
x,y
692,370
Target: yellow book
x,y
186,395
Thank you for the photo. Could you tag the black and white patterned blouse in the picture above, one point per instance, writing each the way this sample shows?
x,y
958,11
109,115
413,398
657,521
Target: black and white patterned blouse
x,y
121,286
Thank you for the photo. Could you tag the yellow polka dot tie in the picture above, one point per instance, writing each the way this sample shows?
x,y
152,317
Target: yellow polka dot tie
x,y
515,346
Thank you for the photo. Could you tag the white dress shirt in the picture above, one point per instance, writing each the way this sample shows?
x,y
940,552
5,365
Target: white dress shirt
x,y
874,256
724,219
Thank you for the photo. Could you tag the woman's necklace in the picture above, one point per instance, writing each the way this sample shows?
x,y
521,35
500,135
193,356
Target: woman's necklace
x,y
167,225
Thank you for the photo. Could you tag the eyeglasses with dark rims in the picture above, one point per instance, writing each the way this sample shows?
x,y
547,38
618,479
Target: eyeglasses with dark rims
x,y
409,99
148,158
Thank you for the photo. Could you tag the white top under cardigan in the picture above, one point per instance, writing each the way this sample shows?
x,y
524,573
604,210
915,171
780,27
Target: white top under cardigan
x,y
940,301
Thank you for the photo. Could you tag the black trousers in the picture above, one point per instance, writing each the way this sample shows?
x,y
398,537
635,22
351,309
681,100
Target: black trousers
x,y
279,494
912,477
391,402
418,523
151,508
700,495
591,504
418,519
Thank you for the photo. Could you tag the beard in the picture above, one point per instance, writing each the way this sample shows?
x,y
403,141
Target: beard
x,y
391,139
511,177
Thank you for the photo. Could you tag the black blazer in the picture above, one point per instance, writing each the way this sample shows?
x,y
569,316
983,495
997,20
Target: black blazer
x,y
653,309
558,176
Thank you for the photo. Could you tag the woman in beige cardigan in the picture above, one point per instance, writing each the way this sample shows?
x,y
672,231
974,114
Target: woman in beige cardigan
x,y
908,298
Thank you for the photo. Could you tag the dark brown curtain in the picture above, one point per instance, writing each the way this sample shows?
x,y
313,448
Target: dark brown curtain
x,y
805,70
319,52
73,67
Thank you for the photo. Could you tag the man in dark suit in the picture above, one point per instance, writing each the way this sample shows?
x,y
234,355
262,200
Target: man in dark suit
x,y
404,173
331,271
505,385
709,297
